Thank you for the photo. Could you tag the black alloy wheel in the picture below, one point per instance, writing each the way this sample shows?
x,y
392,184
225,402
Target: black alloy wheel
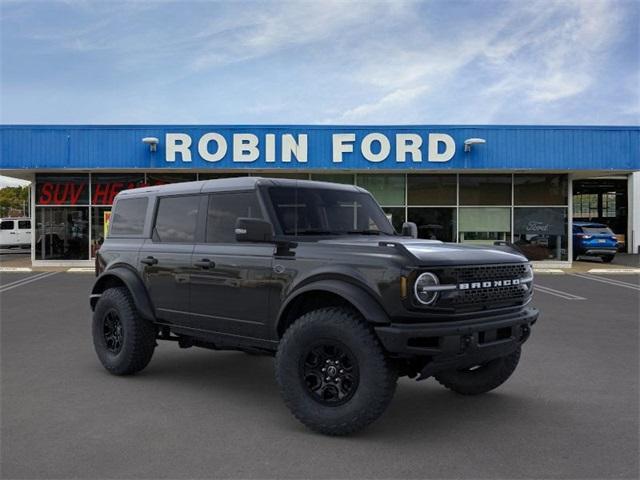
x,y
113,332
330,373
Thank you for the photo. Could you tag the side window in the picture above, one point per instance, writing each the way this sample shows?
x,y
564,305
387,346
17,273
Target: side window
x,y
6,225
224,209
128,216
24,224
176,219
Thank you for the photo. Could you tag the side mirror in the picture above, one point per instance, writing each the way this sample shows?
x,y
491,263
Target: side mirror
x,y
253,230
409,229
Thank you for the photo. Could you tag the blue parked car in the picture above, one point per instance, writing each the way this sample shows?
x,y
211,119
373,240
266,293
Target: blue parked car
x,y
594,239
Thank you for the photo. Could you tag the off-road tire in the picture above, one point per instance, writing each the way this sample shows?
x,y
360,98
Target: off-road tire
x,y
482,379
139,335
377,376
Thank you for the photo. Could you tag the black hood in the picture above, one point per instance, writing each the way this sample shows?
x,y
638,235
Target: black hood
x,y
433,252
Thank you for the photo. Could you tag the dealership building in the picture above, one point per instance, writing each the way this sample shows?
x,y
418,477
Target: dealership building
x,y
472,184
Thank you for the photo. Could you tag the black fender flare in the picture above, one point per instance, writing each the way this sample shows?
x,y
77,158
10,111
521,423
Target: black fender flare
x,y
357,296
132,281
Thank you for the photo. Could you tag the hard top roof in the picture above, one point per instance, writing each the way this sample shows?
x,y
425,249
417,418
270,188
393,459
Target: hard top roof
x,y
231,184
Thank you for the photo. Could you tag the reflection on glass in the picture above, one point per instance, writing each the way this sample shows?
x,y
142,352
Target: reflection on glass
x,y
540,189
431,190
214,176
484,225
164,178
292,176
396,216
104,187
347,179
387,189
62,233
434,223
485,189
541,233
98,233
62,189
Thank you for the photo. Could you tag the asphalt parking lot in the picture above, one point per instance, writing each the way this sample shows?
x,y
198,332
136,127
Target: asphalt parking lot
x,y
569,411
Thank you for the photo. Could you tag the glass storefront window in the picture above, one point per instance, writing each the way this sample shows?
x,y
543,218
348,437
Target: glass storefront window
x,y
62,233
99,224
434,223
484,225
432,190
292,176
164,178
62,189
104,187
486,189
541,233
333,178
214,176
540,189
387,189
396,216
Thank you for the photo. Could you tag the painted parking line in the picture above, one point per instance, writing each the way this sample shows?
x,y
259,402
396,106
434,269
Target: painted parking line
x,y
557,293
24,281
615,283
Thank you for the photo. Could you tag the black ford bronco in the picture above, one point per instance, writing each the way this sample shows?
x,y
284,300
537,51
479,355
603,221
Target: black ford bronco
x,y
314,274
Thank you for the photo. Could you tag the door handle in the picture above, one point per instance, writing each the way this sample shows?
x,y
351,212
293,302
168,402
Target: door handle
x,y
149,261
204,263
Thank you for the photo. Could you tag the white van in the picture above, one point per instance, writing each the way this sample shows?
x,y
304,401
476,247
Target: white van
x,y
15,232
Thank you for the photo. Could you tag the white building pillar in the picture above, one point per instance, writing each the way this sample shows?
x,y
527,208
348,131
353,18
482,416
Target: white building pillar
x,y
634,213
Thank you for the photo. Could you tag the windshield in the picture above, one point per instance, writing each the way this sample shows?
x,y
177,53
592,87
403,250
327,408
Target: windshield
x,y
323,211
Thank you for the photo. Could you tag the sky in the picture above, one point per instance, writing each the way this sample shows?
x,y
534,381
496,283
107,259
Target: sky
x,y
320,62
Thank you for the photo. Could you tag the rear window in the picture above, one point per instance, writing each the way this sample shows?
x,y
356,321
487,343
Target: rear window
x,y
6,225
176,219
128,216
24,224
597,230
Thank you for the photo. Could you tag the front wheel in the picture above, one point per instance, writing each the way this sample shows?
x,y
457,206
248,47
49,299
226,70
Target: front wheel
x,y
607,258
333,373
123,341
480,378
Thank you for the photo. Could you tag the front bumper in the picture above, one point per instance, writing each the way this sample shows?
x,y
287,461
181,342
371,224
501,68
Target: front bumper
x,y
449,345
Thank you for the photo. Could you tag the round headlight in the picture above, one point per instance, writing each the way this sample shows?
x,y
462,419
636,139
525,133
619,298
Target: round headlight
x,y
423,288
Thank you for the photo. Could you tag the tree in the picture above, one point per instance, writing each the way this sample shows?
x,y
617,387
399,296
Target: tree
x,y
14,201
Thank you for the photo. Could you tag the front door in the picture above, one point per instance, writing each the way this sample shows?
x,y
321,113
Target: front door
x,y
230,289
165,259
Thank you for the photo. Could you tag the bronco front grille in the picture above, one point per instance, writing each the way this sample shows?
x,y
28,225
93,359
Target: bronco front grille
x,y
483,286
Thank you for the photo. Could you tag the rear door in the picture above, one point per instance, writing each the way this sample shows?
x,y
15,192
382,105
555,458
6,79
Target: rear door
x,y
165,259
230,289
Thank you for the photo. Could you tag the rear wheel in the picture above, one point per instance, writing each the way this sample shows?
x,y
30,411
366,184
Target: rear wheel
x,y
480,378
123,341
333,373
607,258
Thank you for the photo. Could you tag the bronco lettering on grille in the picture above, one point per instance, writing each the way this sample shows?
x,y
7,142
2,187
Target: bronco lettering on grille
x,y
488,284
